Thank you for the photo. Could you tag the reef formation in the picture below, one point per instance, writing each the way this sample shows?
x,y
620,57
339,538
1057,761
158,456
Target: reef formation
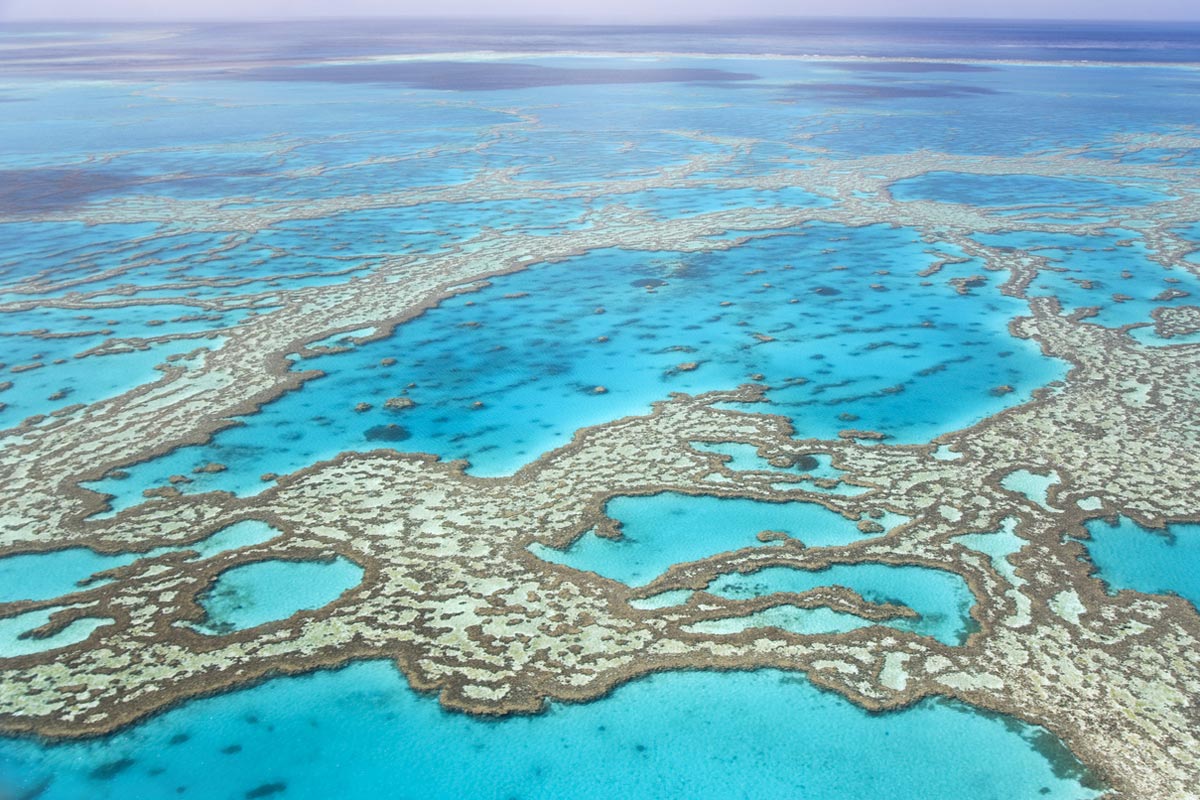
x,y
451,590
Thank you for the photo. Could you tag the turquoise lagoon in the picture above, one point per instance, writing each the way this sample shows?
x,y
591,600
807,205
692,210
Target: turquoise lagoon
x,y
745,458
942,599
833,338
1027,193
1033,485
43,576
361,732
1154,561
13,630
264,591
669,528
660,530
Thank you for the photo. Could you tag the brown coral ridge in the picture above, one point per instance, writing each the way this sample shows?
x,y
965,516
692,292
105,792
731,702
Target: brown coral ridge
x,y
1176,321
471,613
452,594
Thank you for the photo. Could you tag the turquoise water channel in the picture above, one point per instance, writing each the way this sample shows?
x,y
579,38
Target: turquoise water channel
x,y
942,599
361,732
242,597
666,529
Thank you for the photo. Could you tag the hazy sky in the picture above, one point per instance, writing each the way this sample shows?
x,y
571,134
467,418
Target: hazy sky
x,y
599,10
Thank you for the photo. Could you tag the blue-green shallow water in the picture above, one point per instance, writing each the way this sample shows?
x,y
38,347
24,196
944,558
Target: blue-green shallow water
x,y
941,598
41,576
1128,556
1111,273
1029,192
360,733
910,357
669,528
14,642
262,591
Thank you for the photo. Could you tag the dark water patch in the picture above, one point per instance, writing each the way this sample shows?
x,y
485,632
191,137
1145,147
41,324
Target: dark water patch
x,y
909,66
266,790
860,91
1063,763
58,188
460,76
648,283
35,791
806,463
387,433
110,769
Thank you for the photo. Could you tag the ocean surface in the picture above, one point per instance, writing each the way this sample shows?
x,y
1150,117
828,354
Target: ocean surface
x,y
847,326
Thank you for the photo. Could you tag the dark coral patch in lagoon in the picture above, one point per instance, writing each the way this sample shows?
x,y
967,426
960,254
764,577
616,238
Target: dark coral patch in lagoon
x,y
387,433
